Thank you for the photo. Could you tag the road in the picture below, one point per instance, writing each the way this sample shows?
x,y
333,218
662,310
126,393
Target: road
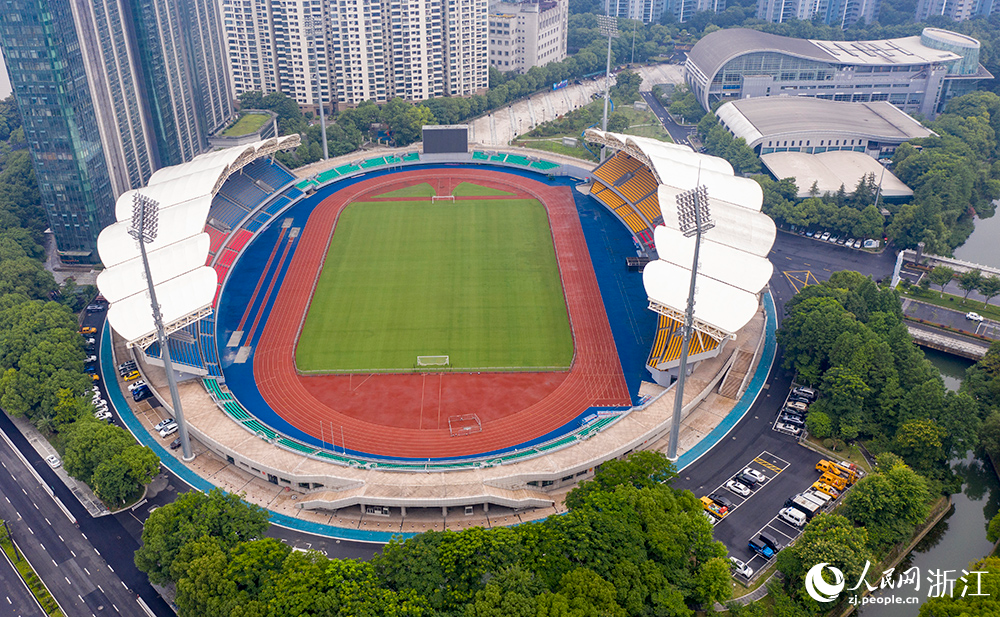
x,y
952,318
678,133
74,570
19,601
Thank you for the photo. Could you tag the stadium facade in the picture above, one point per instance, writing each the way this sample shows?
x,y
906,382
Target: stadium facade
x,y
918,74
110,91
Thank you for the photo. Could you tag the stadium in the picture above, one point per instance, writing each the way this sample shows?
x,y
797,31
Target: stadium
x,y
436,328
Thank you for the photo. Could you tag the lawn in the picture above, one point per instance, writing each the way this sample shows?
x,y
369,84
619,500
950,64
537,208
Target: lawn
x,y
247,124
468,189
417,190
474,280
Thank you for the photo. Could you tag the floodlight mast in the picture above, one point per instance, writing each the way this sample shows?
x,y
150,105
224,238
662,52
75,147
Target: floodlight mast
x,y
608,25
145,214
693,219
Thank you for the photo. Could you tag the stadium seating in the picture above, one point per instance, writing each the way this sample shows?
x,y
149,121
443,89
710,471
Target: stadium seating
x,y
226,211
480,156
670,339
292,193
270,173
305,184
181,351
518,160
214,389
326,176
637,187
544,165
240,189
650,208
613,169
227,257
206,338
240,239
633,220
217,238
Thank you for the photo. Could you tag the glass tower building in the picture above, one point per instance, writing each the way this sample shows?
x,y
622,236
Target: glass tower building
x,y
110,91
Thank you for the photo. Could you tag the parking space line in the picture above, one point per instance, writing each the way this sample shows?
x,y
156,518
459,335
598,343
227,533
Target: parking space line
x,y
778,458
778,531
773,468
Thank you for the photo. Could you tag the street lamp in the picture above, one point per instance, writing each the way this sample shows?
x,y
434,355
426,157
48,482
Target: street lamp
x,y
145,215
608,25
693,218
314,62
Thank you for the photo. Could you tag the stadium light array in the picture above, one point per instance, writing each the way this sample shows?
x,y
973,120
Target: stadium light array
x,y
608,26
693,218
145,220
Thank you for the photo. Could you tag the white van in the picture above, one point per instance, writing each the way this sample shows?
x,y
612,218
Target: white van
x,y
792,516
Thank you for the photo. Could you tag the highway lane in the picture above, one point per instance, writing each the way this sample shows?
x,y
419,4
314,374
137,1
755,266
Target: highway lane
x,y
74,571
101,542
15,598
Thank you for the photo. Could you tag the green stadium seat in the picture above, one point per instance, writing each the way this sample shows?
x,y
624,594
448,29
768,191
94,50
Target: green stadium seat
x,y
479,156
518,160
412,156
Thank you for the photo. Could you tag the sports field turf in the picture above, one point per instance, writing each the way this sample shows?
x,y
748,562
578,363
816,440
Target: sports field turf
x,y
474,280
417,190
468,189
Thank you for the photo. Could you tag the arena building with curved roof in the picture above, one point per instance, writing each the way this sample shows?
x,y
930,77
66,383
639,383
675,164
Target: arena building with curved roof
x,y
918,74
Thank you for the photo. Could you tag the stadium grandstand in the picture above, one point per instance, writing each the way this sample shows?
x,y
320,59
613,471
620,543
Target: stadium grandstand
x,y
640,185
209,208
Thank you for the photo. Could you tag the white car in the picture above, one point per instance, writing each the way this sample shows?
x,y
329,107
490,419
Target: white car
x,y
825,236
164,423
787,428
740,567
91,359
136,384
857,244
973,316
738,487
755,474
103,415
53,461
168,430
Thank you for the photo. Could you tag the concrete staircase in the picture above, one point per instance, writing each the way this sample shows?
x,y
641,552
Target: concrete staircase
x,y
730,386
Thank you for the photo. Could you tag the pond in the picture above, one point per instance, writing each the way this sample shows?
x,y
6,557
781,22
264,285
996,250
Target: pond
x,y
960,537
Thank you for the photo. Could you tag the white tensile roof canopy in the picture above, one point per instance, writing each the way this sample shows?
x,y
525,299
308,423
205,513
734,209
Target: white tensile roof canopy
x,y
184,285
733,266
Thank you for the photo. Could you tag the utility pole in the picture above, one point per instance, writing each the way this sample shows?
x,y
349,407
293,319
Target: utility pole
x,y
609,26
145,219
693,219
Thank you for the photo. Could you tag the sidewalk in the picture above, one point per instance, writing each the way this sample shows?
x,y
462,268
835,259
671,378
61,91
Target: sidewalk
x,y
86,497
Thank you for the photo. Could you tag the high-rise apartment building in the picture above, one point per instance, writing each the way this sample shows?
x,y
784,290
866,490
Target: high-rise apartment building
x,y
111,90
413,49
527,33
958,10
839,13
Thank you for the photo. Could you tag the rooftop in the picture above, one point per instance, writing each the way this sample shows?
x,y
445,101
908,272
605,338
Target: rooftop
x,y
717,48
830,170
755,118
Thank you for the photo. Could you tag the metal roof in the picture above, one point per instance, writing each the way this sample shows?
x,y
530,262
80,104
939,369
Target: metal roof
x,y
830,170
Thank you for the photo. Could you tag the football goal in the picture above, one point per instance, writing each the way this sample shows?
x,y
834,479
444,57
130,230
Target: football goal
x,y
437,198
433,361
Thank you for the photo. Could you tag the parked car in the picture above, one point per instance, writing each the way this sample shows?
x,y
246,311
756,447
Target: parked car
x,y
785,427
168,430
740,568
722,500
841,241
756,474
175,444
139,395
792,516
91,359
88,330
739,488
131,376
747,479
164,423
135,385
972,316
850,242
94,308
809,393
771,542
857,244
53,461
103,415
825,236
793,420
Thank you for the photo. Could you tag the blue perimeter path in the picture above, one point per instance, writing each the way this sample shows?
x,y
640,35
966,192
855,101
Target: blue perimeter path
x,y
632,326
608,242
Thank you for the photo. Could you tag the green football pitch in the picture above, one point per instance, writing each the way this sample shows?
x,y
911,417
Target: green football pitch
x,y
474,280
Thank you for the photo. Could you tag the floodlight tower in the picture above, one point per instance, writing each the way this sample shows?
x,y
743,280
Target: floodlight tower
x,y
693,218
609,26
145,215
314,70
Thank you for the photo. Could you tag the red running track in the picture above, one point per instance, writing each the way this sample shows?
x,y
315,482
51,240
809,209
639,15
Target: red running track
x,y
406,415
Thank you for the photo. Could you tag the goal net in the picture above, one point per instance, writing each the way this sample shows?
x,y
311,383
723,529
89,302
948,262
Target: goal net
x,y
437,198
432,361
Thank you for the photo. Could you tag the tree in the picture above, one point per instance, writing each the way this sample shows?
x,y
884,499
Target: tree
x,y
828,538
993,529
112,481
989,286
919,442
617,122
819,424
626,88
970,281
640,469
193,515
889,504
941,276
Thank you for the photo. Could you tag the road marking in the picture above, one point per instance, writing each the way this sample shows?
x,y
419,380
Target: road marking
x,y
115,607
32,532
60,538
47,521
41,545
79,596
24,491
101,588
72,553
68,582
773,468
34,504
86,570
97,551
110,568
54,563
